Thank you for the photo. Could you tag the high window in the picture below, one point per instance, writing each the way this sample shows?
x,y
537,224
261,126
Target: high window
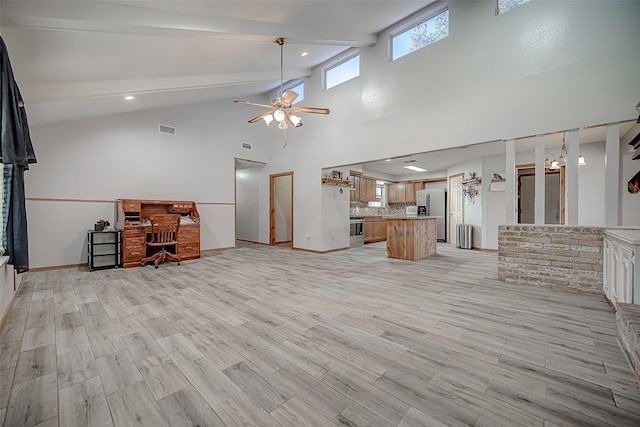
x,y
345,67
419,32
298,87
506,5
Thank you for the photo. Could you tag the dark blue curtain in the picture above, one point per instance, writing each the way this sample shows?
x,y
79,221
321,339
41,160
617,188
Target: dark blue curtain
x,y
16,155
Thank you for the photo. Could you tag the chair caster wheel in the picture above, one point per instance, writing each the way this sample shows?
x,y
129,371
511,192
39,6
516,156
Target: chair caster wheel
x,y
156,266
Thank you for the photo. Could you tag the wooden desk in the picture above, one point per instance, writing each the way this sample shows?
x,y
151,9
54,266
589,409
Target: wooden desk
x,y
133,219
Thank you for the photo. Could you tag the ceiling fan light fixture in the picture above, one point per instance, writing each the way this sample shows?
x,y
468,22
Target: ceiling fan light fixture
x,y
278,115
283,105
295,120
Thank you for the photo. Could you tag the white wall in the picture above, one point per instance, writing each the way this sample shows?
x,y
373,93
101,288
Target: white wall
x,y
472,207
84,166
493,202
335,217
535,70
247,197
591,205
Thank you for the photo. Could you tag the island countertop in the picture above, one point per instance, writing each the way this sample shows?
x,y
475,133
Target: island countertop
x,y
409,239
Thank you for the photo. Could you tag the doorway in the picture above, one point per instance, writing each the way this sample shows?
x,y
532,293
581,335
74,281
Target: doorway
x,y
248,177
456,205
281,209
553,197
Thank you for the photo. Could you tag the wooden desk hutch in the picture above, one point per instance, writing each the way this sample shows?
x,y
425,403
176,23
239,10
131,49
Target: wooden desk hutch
x,y
133,219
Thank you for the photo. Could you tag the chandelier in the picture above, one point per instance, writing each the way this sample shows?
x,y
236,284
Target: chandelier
x,y
561,160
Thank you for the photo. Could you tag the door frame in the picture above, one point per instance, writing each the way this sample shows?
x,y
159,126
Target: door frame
x,y
449,198
235,189
563,189
272,217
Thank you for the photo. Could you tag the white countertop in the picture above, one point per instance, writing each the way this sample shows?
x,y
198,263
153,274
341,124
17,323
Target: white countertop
x,y
628,235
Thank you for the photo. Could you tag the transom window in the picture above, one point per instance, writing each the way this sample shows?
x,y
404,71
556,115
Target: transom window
x,y
344,68
420,32
298,87
506,5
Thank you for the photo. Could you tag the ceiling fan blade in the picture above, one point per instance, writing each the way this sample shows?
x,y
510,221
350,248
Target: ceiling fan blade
x,y
288,98
260,117
237,101
310,110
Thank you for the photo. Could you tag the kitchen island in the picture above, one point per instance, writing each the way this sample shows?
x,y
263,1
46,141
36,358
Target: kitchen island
x,y
411,237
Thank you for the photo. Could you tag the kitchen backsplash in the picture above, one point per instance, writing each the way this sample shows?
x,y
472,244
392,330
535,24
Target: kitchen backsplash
x,y
359,208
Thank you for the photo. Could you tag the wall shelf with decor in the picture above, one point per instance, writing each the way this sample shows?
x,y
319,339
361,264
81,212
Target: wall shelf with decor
x,y
335,181
470,187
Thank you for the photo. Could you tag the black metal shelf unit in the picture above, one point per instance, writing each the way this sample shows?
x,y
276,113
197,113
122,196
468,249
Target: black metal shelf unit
x,y
103,249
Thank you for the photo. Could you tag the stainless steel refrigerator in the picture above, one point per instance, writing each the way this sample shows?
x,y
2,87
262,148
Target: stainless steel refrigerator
x,y
435,201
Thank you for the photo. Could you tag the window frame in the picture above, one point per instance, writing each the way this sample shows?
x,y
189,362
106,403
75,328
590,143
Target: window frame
x,y
335,62
414,21
291,85
498,13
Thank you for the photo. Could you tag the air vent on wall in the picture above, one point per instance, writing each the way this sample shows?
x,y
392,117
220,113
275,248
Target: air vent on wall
x,y
246,146
168,130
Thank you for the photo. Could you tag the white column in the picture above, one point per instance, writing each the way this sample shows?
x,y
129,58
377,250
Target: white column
x,y
539,179
571,178
611,176
510,191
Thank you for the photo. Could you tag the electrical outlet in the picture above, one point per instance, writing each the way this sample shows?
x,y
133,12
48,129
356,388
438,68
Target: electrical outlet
x,y
308,236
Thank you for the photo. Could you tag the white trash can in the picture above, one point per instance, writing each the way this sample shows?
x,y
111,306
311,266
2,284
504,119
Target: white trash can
x,y
464,236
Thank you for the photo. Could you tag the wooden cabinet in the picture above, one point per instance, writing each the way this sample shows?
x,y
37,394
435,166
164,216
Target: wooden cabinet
x,y
391,194
411,238
369,229
371,190
375,229
403,192
621,272
364,189
410,191
354,194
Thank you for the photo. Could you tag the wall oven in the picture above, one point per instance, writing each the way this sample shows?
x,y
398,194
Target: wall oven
x,y
356,234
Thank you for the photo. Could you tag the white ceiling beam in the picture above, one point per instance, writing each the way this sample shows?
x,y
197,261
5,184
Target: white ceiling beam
x,y
34,93
128,19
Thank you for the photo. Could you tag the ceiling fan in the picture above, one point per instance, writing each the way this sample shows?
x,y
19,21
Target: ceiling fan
x,y
282,110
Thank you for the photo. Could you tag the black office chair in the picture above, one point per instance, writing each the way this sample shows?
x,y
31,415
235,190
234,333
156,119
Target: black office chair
x,y
164,233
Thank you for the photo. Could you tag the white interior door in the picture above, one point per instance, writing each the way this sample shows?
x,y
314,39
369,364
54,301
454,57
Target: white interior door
x,y
456,205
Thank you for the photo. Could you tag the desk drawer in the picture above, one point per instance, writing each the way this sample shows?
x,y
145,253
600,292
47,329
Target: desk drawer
x,y
186,234
189,248
133,232
133,253
131,206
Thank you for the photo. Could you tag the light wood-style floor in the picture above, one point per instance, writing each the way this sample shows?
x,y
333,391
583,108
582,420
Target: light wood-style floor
x,y
266,336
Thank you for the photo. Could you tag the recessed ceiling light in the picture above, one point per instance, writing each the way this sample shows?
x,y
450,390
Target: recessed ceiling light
x,y
388,160
129,98
415,168
304,54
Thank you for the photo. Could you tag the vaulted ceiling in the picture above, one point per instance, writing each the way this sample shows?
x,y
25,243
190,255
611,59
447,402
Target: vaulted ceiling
x,y
78,59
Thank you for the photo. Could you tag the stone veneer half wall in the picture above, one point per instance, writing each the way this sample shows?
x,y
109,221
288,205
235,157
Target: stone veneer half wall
x,y
557,256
